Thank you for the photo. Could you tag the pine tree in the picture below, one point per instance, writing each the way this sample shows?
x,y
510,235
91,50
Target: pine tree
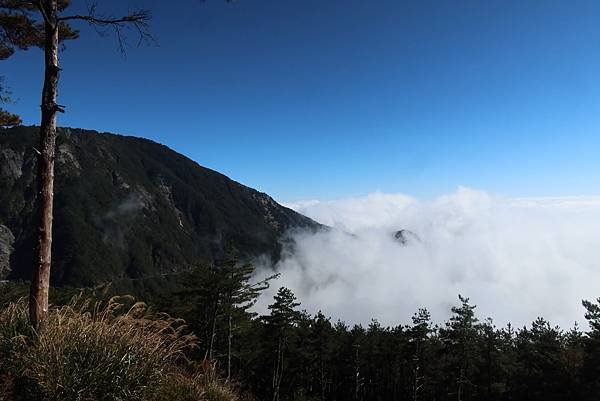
x,y
239,295
460,340
43,23
20,29
198,302
419,336
540,371
282,318
591,360
322,335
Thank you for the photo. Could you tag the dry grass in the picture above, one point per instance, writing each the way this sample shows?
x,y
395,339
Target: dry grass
x,y
115,351
178,386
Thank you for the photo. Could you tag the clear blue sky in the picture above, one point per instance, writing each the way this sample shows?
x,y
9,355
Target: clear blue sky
x,y
327,99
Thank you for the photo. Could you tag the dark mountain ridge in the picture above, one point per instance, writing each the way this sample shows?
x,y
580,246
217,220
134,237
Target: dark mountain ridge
x,y
128,207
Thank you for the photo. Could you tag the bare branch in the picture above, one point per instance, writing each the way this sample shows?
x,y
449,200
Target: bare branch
x,y
139,17
137,20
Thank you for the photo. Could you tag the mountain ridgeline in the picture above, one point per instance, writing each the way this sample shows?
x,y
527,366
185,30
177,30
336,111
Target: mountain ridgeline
x,y
129,208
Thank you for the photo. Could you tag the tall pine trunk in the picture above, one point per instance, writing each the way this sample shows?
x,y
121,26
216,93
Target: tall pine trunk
x,y
323,380
229,325
278,372
213,327
229,338
38,298
356,373
417,373
460,384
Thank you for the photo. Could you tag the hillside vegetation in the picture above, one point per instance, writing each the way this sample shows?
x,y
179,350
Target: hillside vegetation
x,y
127,208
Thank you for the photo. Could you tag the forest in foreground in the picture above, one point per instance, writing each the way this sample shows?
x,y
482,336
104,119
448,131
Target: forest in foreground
x,y
289,354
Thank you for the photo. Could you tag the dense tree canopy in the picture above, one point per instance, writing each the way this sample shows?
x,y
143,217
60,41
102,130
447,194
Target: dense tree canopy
x,y
290,355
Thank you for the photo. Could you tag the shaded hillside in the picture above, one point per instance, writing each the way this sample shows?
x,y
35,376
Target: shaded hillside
x,y
127,207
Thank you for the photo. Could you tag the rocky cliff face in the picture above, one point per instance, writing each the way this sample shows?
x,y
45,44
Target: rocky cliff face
x,y
11,164
406,237
127,208
6,248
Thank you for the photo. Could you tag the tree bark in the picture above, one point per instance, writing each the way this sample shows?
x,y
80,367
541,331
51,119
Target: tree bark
x,y
278,372
416,372
460,384
213,330
356,373
40,282
229,337
323,380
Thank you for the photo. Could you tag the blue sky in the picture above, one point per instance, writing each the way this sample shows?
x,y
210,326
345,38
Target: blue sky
x,y
329,99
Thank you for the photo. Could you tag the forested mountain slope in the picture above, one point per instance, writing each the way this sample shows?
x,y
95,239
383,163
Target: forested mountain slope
x,y
128,207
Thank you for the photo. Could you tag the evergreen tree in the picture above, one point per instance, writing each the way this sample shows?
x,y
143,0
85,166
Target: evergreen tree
x,y
460,342
239,294
540,373
289,355
279,322
322,336
21,30
573,356
198,303
43,23
591,359
420,352
490,375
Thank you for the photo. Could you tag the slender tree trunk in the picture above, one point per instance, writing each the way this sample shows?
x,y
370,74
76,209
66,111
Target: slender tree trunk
x,y
460,384
229,337
489,367
276,371
417,373
281,367
213,330
356,373
40,282
323,379
230,324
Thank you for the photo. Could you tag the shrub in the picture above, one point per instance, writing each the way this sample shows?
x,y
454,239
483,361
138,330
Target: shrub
x,y
200,387
88,353
178,387
218,392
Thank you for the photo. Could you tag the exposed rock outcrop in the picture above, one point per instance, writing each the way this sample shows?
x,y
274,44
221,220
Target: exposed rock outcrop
x,y
406,237
11,164
7,240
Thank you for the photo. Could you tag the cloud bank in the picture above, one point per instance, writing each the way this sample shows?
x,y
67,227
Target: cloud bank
x,y
516,259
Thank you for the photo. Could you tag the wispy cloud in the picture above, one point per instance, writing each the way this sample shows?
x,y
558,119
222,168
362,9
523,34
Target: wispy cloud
x,y
515,258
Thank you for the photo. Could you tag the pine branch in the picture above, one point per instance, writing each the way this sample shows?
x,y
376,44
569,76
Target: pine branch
x,y
137,20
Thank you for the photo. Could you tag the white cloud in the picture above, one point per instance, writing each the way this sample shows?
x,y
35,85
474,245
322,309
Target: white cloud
x,y
515,258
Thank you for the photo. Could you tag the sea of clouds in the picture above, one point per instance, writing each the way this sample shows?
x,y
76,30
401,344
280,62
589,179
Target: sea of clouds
x,y
516,259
